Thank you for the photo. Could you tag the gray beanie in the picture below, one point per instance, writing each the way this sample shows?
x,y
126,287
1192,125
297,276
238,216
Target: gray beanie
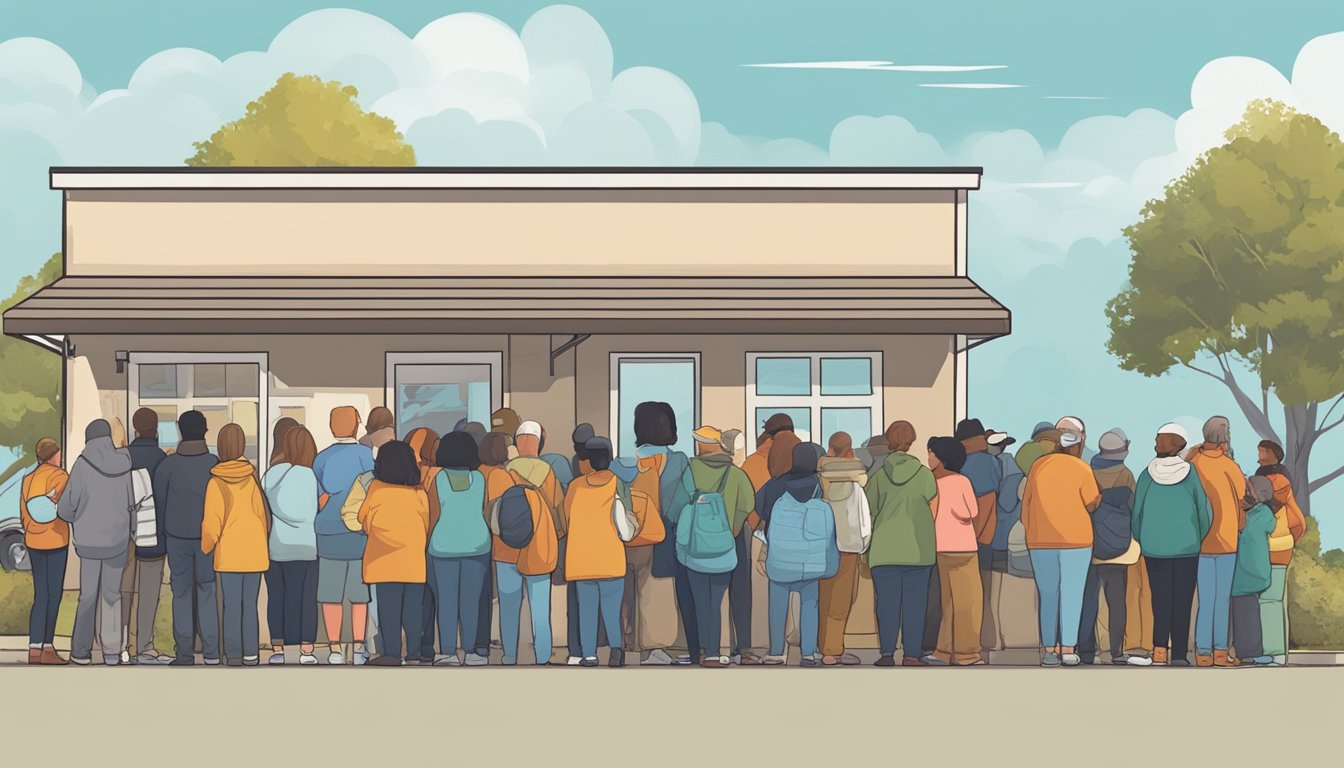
x,y
1114,444
1217,431
97,428
1261,488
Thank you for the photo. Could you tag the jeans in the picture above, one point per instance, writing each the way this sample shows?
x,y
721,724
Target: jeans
x,y
399,611
48,581
598,598
484,618
1246,629
686,611
291,601
902,593
739,595
240,614
1112,580
807,615
1061,576
192,574
1274,613
511,587
1173,583
457,583
100,601
1214,581
707,592
429,612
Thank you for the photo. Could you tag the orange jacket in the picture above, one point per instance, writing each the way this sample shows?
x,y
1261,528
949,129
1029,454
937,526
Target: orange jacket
x,y
46,480
1288,519
595,548
1225,486
396,520
236,526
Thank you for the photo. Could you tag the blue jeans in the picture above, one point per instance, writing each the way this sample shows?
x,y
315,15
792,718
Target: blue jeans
x,y
457,583
399,605
807,616
48,581
1061,579
511,585
1213,615
902,593
193,582
240,614
604,595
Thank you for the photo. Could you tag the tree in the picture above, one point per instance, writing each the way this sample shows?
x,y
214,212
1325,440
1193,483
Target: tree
x,y
1240,266
302,121
30,381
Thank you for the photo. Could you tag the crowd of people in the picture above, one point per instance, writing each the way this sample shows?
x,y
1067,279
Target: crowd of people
x,y
429,535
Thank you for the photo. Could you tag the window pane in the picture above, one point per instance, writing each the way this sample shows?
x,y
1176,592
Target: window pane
x,y
242,379
158,381
215,419
666,380
846,376
858,422
802,420
438,396
209,380
783,376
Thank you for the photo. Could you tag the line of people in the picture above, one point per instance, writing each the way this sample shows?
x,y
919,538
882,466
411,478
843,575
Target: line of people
x,y
426,530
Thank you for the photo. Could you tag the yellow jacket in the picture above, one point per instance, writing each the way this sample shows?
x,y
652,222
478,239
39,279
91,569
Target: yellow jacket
x,y
236,525
396,519
1226,487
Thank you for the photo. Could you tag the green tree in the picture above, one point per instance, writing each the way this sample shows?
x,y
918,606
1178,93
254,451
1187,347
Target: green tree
x,y
1240,266
30,381
302,121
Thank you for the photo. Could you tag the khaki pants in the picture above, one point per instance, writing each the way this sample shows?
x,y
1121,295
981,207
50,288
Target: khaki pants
x,y
649,609
963,604
1138,610
836,599
1018,606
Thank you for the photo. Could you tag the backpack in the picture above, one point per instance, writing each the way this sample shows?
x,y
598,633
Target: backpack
x,y
460,530
801,540
645,493
541,553
41,508
705,541
142,509
853,518
1111,534
1019,559
511,518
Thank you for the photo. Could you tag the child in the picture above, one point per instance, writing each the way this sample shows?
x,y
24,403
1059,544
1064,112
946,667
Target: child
x,y
1251,576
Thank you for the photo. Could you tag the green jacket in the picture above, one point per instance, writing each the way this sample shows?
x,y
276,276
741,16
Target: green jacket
x,y
898,497
1171,511
1252,573
739,498
1028,454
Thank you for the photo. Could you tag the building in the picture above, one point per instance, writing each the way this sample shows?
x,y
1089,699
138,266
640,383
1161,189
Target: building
x,y
840,296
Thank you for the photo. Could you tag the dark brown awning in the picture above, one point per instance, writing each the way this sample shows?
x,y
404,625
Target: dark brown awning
x,y
514,305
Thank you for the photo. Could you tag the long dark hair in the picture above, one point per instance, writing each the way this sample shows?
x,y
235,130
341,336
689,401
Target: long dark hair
x,y
655,424
396,464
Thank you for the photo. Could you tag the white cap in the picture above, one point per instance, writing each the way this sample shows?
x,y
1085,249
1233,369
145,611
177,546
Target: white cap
x,y
1067,439
1172,428
529,428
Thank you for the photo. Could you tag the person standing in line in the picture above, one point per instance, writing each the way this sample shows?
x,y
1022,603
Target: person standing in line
x,y
1044,440
291,580
959,582
97,503
1171,519
179,497
842,479
278,432
395,518
1008,510
574,641
985,473
529,469
340,549
493,451
1057,507
1289,526
1253,573
1114,551
1225,485
48,543
424,442
235,529
459,547
149,560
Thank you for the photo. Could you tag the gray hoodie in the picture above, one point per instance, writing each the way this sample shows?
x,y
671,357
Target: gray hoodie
x,y
97,500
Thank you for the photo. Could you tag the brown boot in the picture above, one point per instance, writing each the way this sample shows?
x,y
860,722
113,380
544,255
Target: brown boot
x,y
1204,661
1224,659
34,655
51,658
1160,656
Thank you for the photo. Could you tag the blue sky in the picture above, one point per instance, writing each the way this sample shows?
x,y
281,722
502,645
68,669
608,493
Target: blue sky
x,y
649,83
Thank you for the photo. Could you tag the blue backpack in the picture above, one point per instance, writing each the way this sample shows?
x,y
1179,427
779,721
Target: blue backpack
x,y
800,540
461,530
705,542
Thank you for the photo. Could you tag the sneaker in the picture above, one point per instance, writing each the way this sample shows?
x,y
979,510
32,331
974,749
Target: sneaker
x,y
125,658
746,659
1071,660
276,660
885,661
1139,661
1088,660
910,661
307,659
361,656
1279,661
477,660
35,655
182,663
212,662
1119,661
251,661
1050,659
684,660
336,659
774,661
589,661
809,661
112,661
384,661
617,658
716,661
448,661
1259,661
933,661
152,659
849,660
657,658
80,662
573,661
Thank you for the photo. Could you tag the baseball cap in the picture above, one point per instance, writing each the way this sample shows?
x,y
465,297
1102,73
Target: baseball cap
x,y
707,434
999,438
529,428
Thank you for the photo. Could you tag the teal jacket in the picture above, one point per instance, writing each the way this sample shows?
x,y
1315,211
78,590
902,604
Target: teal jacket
x,y
1252,573
1171,511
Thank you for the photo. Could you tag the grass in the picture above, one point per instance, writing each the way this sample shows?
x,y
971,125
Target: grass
x,y
16,601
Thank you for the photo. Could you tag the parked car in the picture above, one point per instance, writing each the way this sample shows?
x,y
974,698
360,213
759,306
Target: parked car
x,y
13,553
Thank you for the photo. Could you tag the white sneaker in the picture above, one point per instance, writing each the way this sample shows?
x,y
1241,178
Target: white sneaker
x,y
1071,659
277,659
573,661
307,659
361,657
657,658
336,658
448,661
125,657
80,662
212,662
477,660
1140,661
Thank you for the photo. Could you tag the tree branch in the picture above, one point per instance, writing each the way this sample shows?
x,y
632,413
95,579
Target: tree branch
x,y
1252,250
1258,419
1208,262
1321,482
1331,409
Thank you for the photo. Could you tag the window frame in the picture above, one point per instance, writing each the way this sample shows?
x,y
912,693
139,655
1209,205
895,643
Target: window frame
x,y
259,359
614,395
495,361
815,401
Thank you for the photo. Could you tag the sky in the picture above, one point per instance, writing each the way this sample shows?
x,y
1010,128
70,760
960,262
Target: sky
x,y
1149,86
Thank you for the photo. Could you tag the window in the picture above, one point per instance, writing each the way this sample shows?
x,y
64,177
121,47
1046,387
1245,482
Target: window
x,y
823,392
223,387
673,379
439,389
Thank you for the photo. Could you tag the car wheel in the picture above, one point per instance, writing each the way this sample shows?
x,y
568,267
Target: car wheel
x,y
13,552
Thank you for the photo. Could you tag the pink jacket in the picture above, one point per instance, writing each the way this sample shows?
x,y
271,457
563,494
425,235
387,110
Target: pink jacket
x,y
954,524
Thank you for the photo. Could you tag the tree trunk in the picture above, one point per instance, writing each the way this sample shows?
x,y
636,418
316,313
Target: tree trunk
x,y
1301,435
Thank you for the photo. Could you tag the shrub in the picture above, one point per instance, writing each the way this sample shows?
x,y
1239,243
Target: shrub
x,y
1316,595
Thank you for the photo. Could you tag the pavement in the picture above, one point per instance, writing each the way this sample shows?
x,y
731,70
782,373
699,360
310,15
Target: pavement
x,y
672,716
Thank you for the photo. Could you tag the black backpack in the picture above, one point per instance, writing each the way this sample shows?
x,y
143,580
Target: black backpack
x,y
513,518
1111,533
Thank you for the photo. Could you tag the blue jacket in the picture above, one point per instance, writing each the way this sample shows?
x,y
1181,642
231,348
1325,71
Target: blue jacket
x,y
336,468
292,493
146,454
179,489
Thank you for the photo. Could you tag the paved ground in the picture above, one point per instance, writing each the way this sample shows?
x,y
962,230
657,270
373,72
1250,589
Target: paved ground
x,y
685,717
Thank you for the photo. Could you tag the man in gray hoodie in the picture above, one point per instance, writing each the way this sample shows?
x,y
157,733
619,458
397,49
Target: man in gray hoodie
x,y
97,503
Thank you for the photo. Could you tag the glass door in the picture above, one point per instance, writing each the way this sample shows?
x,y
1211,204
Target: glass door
x,y
670,378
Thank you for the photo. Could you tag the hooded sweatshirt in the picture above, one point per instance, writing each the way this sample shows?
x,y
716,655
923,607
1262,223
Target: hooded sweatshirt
x,y
1225,486
44,480
802,483
292,493
595,549
146,454
899,494
1289,523
97,500
739,498
396,519
1171,510
179,489
236,523
1252,573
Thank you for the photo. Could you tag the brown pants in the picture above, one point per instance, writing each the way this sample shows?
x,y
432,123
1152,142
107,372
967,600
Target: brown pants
x,y
1138,609
649,609
835,600
963,607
